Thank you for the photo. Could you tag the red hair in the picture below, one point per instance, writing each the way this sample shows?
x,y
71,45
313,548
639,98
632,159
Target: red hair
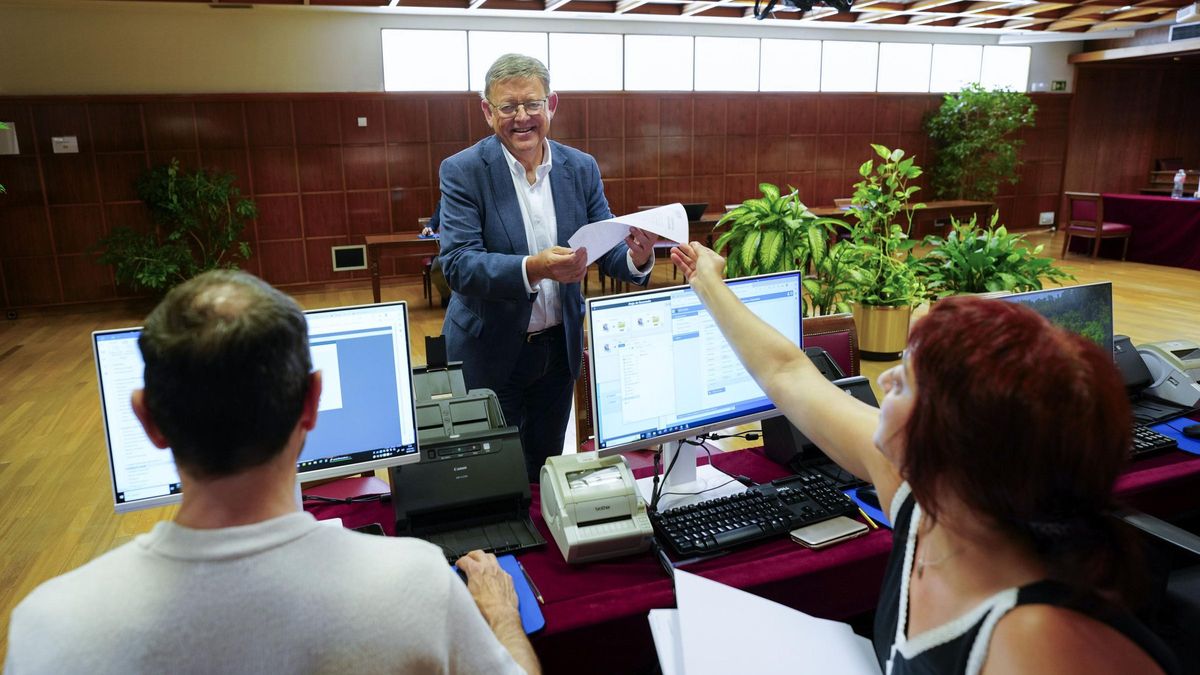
x,y
1025,424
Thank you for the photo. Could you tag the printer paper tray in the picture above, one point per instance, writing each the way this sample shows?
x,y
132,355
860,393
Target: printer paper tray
x,y
505,536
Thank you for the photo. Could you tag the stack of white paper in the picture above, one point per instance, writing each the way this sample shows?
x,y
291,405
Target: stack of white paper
x,y
718,629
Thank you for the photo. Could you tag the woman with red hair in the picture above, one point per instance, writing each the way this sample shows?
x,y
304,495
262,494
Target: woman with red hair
x,y
994,449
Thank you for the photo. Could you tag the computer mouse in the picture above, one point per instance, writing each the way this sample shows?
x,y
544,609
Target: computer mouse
x,y
869,496
1192,431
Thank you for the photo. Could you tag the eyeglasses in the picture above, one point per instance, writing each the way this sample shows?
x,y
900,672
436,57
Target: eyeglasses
x,y
510,109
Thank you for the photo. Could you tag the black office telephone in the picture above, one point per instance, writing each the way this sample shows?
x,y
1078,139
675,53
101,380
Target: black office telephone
x,y
1146,409
788,446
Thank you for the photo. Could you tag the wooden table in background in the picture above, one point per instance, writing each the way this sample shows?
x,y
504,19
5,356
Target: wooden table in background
x,y
933,219
409,244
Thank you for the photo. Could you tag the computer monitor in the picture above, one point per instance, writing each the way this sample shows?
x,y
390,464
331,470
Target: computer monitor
x,y
662,371
1086,309
366,416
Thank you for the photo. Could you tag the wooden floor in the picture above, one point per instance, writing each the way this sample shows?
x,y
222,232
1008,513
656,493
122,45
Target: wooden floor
x,y
55,501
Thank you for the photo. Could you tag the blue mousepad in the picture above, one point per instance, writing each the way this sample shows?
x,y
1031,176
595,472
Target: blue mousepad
x,y
876,515
527,602
1174,429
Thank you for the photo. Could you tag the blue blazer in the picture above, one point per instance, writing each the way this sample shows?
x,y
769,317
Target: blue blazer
x,y
483,243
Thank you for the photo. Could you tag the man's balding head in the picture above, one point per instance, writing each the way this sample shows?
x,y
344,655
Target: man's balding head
x,y
227,370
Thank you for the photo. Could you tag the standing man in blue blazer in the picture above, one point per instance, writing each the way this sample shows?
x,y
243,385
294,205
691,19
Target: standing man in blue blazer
x,y
509,204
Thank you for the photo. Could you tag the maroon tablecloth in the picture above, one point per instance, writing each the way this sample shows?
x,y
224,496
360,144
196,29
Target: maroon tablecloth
x,y
596,613
1165,231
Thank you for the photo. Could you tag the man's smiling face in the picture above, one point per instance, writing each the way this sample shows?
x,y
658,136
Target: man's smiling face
x,y
523,134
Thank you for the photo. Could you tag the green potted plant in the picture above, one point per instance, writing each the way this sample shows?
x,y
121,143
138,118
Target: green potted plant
x,y
886,284
972,259
974,136
774,233
200,217
832,278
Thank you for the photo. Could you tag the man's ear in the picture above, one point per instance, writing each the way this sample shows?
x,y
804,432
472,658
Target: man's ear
x,y
308,415
487,110
138,400
552,103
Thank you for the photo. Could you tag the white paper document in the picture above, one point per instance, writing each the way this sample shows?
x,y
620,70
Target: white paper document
x,y
664,626
722,630
669,222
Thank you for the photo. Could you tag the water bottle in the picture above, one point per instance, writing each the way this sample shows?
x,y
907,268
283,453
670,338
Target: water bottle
x,y
1177,190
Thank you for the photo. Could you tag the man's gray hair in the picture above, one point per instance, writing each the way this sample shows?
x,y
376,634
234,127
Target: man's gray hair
x,y
512,66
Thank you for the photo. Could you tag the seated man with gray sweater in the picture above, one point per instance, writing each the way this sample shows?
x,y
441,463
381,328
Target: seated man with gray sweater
x,y
243,580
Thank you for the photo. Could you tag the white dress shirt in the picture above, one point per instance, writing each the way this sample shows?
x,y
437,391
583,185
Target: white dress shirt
x,y
541,232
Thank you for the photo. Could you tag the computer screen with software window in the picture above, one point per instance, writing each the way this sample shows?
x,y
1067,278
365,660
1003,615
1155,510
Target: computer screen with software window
x,y
662,371
366,415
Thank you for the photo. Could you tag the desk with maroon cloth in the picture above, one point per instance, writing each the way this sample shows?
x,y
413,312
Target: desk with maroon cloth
x,y
1165,231
596,613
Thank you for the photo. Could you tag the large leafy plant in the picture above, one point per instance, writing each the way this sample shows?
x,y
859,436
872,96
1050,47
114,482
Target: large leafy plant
x,y
885,275
972,259
833,280
200,217
974,135
774,233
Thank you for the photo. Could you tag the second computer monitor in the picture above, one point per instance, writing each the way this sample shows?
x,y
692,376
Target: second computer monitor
x,y
662,371
1086,309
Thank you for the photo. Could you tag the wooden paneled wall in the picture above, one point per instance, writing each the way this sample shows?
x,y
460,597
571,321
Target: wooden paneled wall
x,y
1123,117
321,180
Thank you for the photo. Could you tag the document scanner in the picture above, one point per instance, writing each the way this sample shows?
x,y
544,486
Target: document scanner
x,y
470,490
592,507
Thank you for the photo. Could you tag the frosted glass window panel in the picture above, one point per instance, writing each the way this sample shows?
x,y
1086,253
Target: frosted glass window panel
x,y
484,47
407,66
904,66
790,65
1005,67
585,62
658,63
849,66
726,64
954,66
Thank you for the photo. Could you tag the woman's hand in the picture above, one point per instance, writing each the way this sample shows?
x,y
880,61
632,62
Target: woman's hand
x,y
698,263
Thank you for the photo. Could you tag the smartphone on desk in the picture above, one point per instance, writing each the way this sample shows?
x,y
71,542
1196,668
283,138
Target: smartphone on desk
x,y
828,532
372,528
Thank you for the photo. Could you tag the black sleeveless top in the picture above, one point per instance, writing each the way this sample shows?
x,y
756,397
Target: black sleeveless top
x,y
960,646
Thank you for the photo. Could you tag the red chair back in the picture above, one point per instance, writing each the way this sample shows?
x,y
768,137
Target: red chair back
x,y
837,335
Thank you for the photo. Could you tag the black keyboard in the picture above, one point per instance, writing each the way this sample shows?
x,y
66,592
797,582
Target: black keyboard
x,y
1147,441
762,511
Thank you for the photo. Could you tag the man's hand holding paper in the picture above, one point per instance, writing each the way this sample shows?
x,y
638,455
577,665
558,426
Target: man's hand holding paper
x,y
558,263
640,230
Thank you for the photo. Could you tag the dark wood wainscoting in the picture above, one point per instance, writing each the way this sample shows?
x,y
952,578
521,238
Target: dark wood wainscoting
x,y
321,180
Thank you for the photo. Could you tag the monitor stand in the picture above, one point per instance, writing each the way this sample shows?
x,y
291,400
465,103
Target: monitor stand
x,y
688,482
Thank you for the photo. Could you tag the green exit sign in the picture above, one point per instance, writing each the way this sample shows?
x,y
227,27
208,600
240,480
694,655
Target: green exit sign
x,y
1058,85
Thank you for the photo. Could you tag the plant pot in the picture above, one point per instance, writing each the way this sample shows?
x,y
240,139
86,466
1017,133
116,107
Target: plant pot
x,y
882,331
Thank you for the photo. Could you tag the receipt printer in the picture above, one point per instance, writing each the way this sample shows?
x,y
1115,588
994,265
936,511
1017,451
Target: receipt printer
x,y
1174,366
592,507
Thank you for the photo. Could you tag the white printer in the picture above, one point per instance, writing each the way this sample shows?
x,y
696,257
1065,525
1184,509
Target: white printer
x,y
592,507
1175,367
